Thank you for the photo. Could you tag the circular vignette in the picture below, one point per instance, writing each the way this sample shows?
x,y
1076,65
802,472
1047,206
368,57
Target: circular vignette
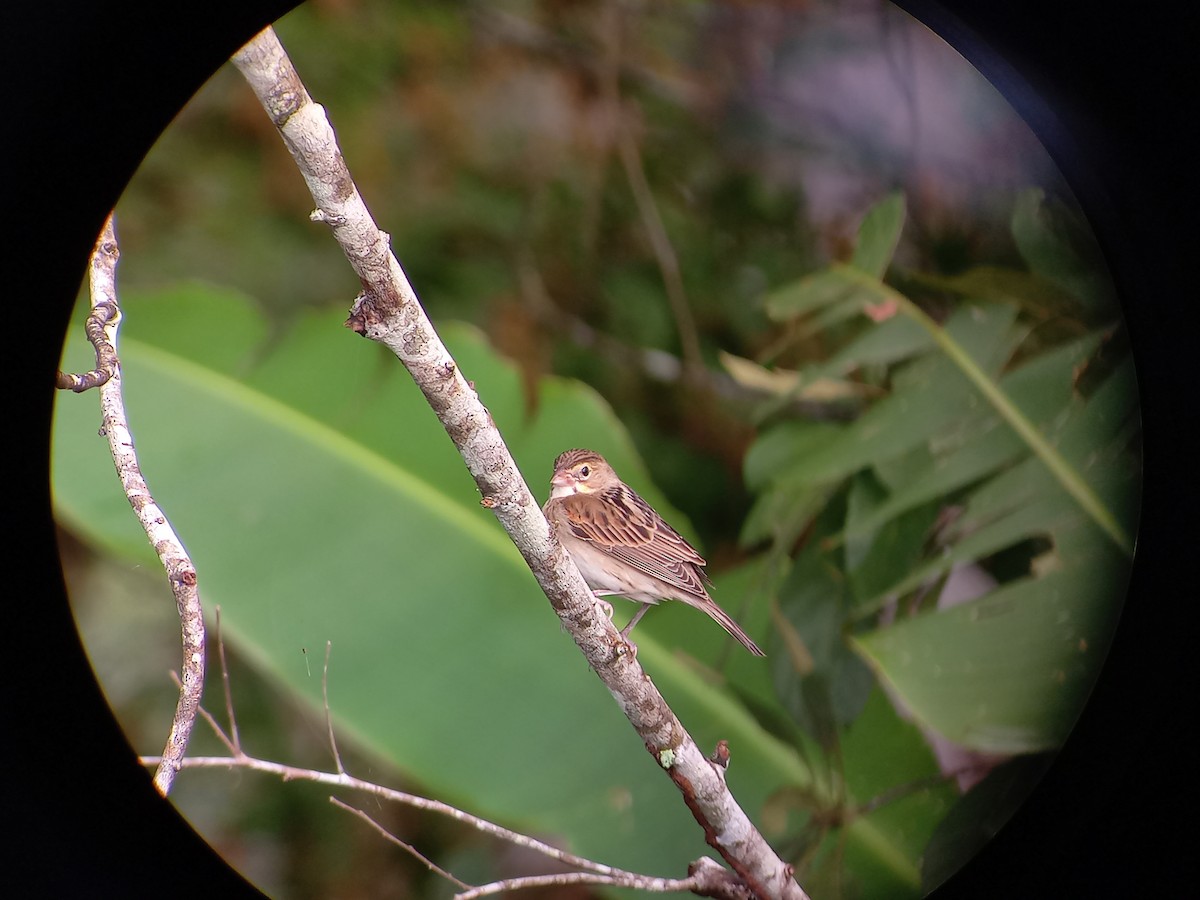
x,y
98,84
1103,100
1104,103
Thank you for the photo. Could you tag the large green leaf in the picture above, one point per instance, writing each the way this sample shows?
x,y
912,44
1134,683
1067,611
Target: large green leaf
x,y
1008,672
446,658
321,501
987,446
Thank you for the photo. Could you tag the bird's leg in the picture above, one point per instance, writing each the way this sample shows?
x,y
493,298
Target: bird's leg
x,y
637,616
628,628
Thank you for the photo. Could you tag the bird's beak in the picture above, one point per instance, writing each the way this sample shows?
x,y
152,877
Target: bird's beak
x,y
562,479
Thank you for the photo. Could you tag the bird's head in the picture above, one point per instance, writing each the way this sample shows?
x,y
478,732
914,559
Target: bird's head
x,y
580,472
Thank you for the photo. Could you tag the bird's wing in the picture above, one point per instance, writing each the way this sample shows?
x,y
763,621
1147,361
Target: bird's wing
x,y
622,524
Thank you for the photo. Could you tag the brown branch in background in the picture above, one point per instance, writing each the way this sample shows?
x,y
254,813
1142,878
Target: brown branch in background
x,y
101,330
242,760
707,877
388,311
404,845
660,242
527,36
622,116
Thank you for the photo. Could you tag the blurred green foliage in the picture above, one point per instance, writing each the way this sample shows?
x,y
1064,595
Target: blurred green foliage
x,y
993,449
841,470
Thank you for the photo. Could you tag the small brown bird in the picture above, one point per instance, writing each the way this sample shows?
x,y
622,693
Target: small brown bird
x,y
622,546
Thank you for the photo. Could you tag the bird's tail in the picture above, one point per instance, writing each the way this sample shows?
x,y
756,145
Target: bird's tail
x,y
723,619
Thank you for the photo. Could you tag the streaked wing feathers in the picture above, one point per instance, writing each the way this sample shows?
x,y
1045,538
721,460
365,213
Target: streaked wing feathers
x,y
621,523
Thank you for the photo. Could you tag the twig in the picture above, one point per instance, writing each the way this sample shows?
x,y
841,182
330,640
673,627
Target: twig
x,y
705,877
407,847
224,738
101,330
337,757
104,315
635,172
660,243
345,780
387,311
562,879
233,742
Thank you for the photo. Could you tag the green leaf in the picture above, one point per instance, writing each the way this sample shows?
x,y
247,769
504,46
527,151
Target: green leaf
x,y
879,234
874,555
888,764
1058,246
889,341
832,692
977,445
1009,672
1066,475
779,447
780,516
930,393
827,288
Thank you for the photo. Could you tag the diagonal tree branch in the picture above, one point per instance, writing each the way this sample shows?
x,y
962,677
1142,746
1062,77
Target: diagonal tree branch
x,y
101,330
387,311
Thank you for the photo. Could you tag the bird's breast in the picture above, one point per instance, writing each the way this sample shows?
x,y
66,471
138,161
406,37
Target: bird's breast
x,y
609,575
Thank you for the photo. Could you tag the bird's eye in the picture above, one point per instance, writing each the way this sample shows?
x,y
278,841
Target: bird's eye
x,y
584,471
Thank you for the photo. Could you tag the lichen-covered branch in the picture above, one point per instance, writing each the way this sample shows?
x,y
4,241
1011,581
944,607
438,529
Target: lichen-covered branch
x,y
387,311
101,330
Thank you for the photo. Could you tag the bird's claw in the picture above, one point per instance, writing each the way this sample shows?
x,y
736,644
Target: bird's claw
x,y
625,645
604,605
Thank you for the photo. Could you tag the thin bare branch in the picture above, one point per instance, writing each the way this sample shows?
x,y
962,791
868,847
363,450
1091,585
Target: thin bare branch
x,y
101,330
705,878
388,311
344,780
233,742
563,879
224,738
404,845
337,757
622,116
660,243
207,717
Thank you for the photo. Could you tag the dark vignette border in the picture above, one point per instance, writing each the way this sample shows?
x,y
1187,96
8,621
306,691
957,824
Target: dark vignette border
x,y
1110,95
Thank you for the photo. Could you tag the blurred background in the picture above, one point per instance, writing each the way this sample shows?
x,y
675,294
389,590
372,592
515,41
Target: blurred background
x,y
650,228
